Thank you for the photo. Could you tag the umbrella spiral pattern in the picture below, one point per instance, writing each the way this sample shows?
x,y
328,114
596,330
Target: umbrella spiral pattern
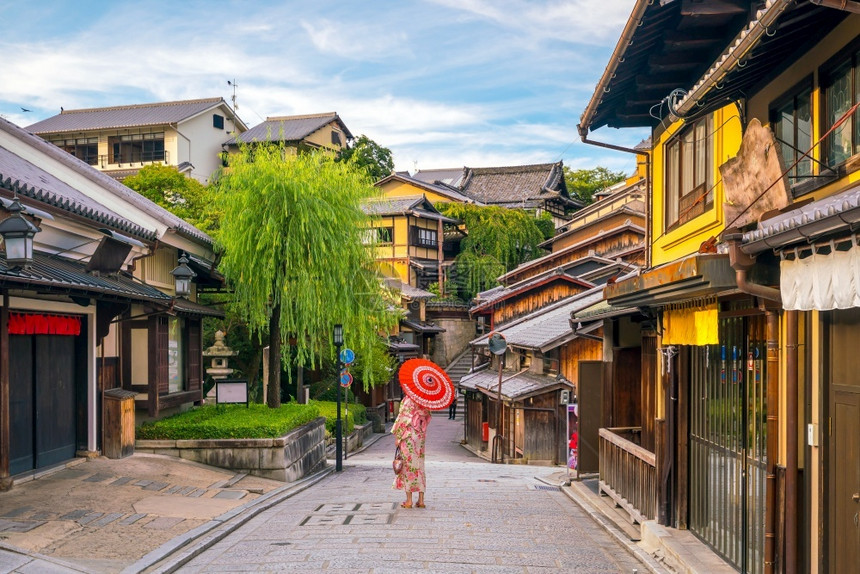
x,y
426,383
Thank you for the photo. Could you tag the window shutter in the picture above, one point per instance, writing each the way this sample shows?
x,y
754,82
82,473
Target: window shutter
x,y
194,372
158,345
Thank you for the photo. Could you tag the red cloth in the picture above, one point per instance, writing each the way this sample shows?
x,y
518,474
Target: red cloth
x,y
574,440
38,324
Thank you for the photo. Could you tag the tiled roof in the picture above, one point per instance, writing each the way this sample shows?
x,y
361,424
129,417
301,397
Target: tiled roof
x,y
449,176
488,298
288,128
836,213
445,190
125,116
50,273
548,327
190,308
422,326
85,206
514,385
513,186
409,205
19,175
627,226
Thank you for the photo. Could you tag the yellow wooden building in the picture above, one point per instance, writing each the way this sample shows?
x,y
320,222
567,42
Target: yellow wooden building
x,y
750,393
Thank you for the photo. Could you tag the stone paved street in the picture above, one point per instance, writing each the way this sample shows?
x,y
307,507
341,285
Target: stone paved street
x,y
480,518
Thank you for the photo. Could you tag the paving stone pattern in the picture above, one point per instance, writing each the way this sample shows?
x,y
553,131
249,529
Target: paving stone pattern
x,y
480,518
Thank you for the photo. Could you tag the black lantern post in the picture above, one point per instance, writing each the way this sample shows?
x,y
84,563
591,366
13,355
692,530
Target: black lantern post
x,y
18,235
183,275
338,429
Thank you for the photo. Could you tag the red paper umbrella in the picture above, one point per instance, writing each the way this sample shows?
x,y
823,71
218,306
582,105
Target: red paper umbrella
x,y
426,383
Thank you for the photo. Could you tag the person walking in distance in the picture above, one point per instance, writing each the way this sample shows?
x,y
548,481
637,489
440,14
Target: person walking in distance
x,y
410,433
452,410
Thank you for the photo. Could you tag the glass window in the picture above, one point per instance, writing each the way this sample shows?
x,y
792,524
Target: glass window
x,y
85,149
424,237
689,178
175,356
136,148
792,126
841,91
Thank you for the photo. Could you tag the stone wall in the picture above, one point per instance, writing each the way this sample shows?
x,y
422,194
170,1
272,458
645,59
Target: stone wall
x,y
455,339
287,458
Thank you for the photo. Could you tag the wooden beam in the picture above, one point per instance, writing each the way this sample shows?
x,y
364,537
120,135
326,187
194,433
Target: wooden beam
x,y
5,414
698,39
678,60
713,7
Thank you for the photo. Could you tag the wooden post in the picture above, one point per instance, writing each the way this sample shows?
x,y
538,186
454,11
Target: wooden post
x,y
5,414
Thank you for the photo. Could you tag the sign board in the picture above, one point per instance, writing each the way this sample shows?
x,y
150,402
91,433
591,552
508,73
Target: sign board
x,y
347,356
345,379
231,391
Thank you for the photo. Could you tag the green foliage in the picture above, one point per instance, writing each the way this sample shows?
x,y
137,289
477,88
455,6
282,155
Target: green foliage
x,y
357,415
368,156
292,240
584,183
498,240
183,196
546,225
230,421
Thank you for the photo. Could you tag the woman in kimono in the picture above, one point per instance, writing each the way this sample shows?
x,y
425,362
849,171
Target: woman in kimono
x,y
410,430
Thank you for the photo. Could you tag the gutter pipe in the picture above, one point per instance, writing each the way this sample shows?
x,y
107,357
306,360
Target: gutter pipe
x,y
583,134
791,442
742,263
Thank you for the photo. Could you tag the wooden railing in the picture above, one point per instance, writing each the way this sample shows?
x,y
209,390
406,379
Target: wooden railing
x,y
628,472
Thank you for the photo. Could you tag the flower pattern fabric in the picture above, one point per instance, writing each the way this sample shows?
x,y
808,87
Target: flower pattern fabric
x,y
410,432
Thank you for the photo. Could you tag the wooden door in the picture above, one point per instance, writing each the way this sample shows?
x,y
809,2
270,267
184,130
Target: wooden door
x,y
845,480
590,408
844,442
21,390
42,400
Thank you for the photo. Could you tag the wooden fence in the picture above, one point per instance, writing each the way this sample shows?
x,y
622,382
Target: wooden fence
x,y
628,472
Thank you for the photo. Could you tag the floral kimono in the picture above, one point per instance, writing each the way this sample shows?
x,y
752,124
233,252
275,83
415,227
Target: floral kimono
x,y
410,430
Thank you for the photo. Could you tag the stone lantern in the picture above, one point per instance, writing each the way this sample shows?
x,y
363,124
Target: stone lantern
x,y
219,353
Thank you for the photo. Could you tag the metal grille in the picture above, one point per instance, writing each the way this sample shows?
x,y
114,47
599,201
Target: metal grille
x,y
728,442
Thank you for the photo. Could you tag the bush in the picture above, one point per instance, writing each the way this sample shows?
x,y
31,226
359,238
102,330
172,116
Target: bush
x,y
230,421
357,415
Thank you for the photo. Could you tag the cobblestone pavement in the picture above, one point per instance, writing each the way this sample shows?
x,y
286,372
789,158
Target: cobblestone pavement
x,y
480,518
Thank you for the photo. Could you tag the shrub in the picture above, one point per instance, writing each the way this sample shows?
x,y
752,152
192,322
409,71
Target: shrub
x,y
230,421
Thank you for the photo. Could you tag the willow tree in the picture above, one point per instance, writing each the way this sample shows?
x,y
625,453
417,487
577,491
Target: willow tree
x,y
498,239
291,232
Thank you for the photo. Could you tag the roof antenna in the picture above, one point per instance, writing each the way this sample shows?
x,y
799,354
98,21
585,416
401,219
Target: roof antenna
x,y
235,85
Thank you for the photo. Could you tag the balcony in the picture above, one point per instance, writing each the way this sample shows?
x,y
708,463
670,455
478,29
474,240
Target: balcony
x,y
628,472
135,158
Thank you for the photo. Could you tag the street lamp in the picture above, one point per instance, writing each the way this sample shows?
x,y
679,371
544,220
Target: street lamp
x,y
18,235
338,429
182,276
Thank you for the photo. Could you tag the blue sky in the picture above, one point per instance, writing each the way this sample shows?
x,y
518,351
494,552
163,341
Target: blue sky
x,y
442,83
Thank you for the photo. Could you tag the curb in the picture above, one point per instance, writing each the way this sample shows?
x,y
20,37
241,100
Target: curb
x,y
178,551
637,551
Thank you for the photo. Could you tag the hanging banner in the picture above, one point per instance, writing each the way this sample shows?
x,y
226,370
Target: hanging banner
x,y
37,324
693,326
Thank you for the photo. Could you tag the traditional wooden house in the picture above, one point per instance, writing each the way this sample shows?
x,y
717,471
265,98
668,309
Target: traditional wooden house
x,y
325,131
538,188
119,140
749,292
533,310
89,306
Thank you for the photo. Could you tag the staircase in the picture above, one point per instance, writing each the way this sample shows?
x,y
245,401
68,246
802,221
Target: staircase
x,y
457,369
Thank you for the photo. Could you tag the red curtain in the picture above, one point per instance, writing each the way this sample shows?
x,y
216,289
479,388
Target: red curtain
x,y
29,324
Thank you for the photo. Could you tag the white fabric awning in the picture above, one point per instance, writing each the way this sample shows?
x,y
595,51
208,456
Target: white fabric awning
x,y
821,282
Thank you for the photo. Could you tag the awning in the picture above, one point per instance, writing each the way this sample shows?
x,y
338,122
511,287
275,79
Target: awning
x,y
422,326
59,275
515,386
692,277
192,309
696,325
